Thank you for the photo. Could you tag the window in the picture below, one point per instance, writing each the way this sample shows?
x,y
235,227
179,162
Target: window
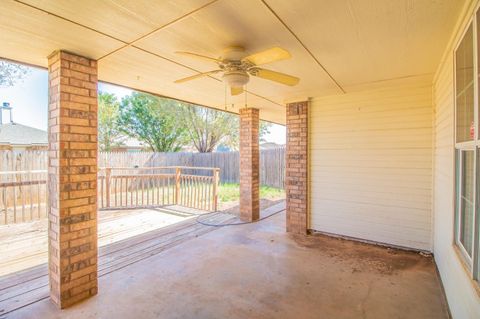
x,y
464,88
467,146
465,173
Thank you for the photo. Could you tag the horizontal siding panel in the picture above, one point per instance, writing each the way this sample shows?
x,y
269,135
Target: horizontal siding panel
x,y
338,177
386,190
399,225
383,124
378,233
375,142
380,135
376,187
389,216
414,95
387,199
371,164
380,162
378,111
464,301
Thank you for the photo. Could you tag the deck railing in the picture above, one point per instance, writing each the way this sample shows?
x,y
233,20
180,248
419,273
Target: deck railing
x,y
123,187
23,194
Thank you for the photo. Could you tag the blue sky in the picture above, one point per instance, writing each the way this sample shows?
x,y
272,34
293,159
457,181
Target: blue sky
x,y
29,99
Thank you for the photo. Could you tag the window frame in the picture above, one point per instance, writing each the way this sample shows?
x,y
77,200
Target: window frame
x,y
459,154
472,262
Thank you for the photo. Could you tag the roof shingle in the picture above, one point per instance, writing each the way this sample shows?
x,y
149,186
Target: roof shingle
x,y
18,134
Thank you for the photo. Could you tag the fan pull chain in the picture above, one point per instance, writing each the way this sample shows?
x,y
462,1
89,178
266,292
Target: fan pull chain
x,y
245,95
225,96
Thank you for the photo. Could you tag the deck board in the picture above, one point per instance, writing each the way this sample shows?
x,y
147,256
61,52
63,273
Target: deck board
x,y
124,243
25,245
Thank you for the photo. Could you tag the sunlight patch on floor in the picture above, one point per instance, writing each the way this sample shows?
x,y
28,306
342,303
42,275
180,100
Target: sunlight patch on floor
x,y
26,245
111,230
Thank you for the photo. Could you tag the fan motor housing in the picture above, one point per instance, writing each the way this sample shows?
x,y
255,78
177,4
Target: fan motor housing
x,y
236,78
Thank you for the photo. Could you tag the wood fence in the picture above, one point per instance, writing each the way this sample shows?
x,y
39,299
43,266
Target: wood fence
x,y
23,160
272,162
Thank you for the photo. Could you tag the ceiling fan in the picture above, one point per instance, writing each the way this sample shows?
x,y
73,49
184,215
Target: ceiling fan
x,y
237,68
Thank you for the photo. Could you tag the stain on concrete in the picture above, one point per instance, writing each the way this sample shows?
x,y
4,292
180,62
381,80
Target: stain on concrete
x,y
365,256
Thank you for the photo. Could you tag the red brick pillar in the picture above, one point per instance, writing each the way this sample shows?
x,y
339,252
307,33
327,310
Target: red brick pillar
x,y
296,179
72,178
249,164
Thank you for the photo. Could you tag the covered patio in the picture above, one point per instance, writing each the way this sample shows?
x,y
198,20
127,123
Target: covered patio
x,y
381,106
253,271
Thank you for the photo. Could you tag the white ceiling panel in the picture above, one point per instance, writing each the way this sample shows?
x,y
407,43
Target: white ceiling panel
x,y
125,20
366,41
29,35
249,24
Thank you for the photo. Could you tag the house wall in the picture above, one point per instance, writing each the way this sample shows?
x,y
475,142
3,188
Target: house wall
x,y
371,163
463,300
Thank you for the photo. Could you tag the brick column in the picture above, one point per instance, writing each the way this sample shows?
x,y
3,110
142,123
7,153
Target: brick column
x,y
72,178
296,179
249,164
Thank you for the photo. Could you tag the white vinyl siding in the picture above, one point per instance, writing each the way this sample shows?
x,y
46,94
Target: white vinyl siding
x,y
463,300
371,163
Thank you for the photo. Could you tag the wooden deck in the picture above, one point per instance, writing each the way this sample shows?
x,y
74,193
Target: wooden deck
x,y
125,237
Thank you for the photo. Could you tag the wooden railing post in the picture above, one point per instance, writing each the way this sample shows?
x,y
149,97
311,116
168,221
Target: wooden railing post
x,y
108,172
216,178
178,172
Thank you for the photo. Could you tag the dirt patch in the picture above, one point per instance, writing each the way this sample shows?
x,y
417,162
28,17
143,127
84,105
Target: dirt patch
x,y
366,257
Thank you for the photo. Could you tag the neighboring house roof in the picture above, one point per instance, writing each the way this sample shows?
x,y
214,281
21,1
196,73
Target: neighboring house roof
x,y
130,144
133,142
270,145
18,134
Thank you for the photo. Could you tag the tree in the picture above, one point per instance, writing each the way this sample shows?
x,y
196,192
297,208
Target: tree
x,y
264,130
11,73
208,128
109,133
154,121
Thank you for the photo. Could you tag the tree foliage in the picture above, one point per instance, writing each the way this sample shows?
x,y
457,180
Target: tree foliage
x,y
154,121
166,125
11,73
109,133
264,130
208,128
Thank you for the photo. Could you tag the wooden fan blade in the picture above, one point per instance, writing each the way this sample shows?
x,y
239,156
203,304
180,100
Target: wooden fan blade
x,y
197,56
275,76
268,56
236,90
196,76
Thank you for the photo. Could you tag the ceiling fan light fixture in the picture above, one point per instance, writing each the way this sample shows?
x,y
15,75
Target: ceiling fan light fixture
x,y
237,68
236,79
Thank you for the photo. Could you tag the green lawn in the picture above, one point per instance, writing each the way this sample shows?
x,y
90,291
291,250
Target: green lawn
x,y
229,192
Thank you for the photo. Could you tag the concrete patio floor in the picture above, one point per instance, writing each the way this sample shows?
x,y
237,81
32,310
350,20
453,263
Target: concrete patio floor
x,y
259,271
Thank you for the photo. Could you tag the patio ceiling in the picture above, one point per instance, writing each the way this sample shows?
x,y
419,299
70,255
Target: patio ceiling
x,y
335,44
